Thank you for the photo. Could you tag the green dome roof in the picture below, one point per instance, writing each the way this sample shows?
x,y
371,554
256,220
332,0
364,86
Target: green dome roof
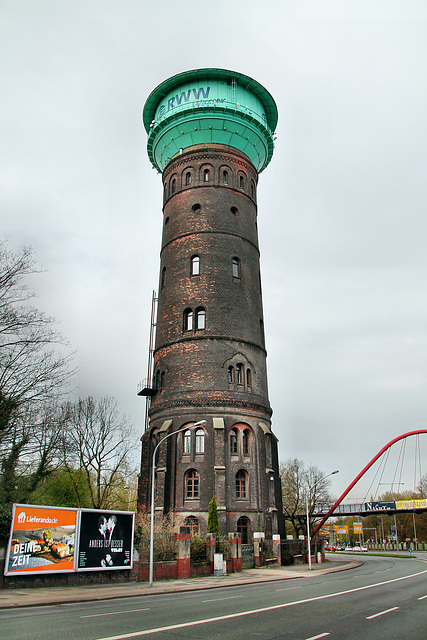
x,y
205,106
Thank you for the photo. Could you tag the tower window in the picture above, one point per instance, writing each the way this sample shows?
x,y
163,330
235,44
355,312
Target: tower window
x,y
192,484
188,178
162,380
230,375
234,210
186,441
195,266
196,208
235,267
225,177
173,189
241,484
252,189
248,378
239,372
163,277
246,442
206,175
200,441
241,182
200,318
188,320
233,442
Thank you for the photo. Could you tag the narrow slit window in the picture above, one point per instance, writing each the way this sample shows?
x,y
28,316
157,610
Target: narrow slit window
x,y
200,441
235,267
186,441
206,175
200,318
195,266
188,320
225,177
188,178
230,375
233,442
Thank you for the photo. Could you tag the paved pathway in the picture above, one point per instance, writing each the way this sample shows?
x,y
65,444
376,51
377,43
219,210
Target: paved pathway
x,y
11,598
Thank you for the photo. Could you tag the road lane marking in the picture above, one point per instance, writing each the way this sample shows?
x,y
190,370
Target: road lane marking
x,y
422,598
194,623
289,589
225,598
322,635
382,613
113,613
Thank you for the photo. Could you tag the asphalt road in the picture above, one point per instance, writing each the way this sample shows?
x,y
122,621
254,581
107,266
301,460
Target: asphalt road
x,y
384,598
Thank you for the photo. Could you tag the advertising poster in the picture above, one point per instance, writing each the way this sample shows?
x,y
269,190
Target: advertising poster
x,y
411,504
42,540
105,540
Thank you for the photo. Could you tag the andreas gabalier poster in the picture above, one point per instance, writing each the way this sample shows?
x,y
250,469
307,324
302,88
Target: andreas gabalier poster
x,y
105,540
42,540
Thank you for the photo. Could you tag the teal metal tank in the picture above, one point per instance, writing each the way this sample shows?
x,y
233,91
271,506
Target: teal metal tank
x,y
210,106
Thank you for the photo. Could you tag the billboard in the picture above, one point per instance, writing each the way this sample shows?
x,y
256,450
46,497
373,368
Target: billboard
x,y
379,506
411,504
42,540
357,527
105,540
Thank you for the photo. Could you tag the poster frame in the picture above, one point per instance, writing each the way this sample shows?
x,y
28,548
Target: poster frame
x,y
35,570
77,549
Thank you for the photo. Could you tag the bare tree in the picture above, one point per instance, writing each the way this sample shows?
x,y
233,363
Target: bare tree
x,y
98,442
301,484
35,369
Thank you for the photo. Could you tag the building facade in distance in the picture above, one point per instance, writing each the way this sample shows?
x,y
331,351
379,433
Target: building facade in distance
x,y
210,133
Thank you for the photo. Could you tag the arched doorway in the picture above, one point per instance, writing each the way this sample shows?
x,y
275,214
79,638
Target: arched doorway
x,y
244,528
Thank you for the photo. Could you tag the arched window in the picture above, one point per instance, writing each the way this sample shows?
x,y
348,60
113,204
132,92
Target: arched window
x,y
192,479
252,189
246,442
225,177
235,267
162,380
241,484
195,266
206,175
230,375
187,178
158,380
248,378
173,188
244,528
241,181
233,442
239,370
193,523
186,441
188,320
163,277
200,318
200,441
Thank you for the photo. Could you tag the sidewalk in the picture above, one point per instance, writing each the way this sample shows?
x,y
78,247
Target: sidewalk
x,y
12,598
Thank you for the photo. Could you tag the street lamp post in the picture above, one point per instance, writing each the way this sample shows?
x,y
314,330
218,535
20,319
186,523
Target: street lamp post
x,y
310,489
153,477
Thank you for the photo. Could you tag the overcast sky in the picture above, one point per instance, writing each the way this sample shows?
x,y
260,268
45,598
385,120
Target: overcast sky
x,y
342,205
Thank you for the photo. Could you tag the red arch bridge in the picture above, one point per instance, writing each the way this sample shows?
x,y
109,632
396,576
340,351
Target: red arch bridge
x,y
369,507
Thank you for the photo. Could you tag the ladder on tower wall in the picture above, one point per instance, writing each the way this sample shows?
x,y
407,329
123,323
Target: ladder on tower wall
x,y
146,387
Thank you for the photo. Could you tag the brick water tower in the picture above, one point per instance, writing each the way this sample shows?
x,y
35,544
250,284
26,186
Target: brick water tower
x,y
210,134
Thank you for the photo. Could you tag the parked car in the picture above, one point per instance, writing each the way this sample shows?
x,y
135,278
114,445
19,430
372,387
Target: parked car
x,y
348,548
364,548
357,548
340,547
